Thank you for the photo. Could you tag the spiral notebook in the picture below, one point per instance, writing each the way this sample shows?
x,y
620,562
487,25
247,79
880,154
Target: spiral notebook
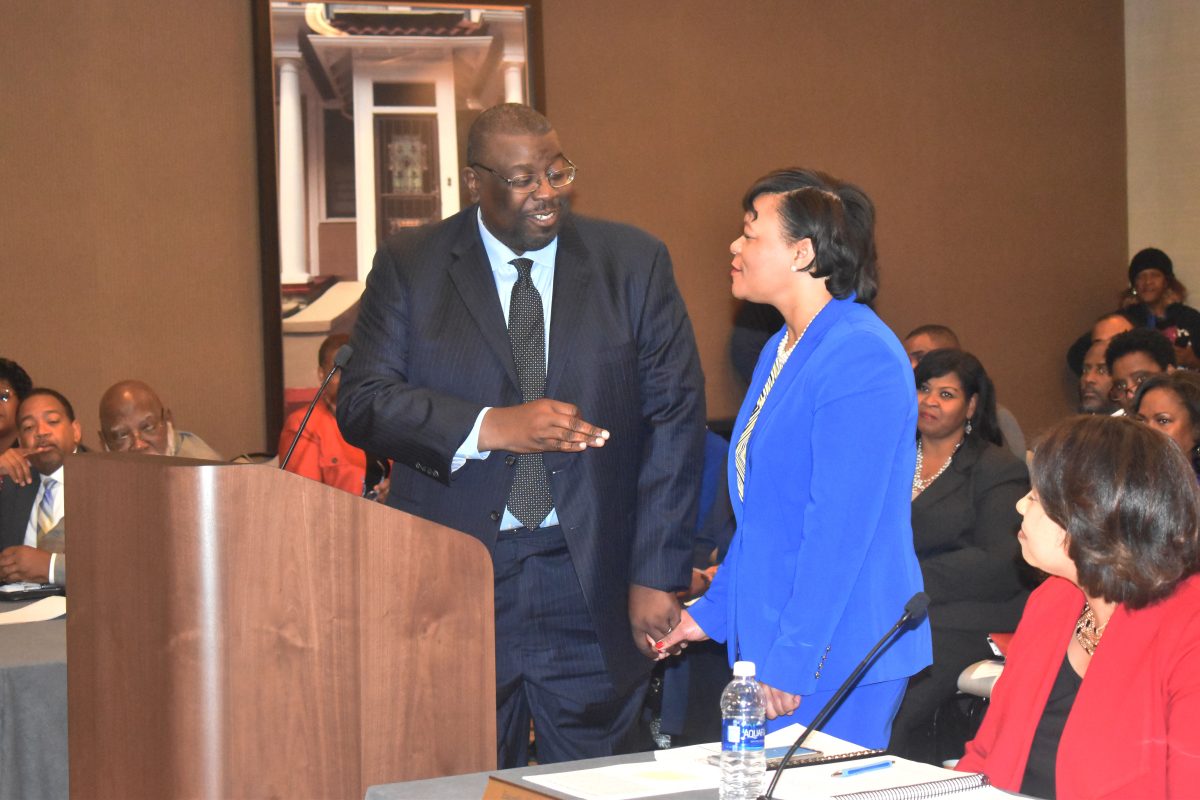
x,y
902,780
975,785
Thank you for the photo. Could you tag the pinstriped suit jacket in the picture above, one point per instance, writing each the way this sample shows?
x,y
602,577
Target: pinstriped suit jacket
x,y
432,349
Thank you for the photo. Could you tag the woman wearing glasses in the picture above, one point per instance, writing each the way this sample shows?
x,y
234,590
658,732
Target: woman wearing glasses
x,y
1100,695
1134,356
14,385
820,469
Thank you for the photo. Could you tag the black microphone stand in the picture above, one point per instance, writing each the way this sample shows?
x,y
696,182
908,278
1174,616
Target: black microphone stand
x,y
339,360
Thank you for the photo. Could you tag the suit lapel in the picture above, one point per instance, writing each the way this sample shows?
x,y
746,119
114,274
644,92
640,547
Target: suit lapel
x,y
472,277
571,280
16,506
820,326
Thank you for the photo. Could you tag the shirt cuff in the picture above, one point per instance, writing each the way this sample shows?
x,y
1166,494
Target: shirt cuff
x,y
469,449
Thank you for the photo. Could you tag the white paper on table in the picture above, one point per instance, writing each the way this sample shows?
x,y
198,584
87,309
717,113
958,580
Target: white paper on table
x,y
699,753
626,781
680,769
45,609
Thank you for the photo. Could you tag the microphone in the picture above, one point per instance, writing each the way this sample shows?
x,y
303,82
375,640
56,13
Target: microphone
x,y
914,609
340,359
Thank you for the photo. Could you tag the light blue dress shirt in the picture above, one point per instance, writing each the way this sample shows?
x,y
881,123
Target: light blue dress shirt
x,y
505,274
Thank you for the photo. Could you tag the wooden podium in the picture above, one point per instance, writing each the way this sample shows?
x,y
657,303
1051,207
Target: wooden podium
x,y
237,631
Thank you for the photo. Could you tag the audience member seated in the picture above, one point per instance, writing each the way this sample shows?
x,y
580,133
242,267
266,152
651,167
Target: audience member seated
x,y
14,385
1100,695
1102,331
1095,383
32,522
1171,403
1134,356
322,454
133,419
753,325
936,337
1158,304
964,525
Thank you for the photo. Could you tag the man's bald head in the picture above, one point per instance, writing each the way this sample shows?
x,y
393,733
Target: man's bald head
x,y
133,419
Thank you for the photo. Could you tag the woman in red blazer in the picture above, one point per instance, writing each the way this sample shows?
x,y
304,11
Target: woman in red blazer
x,y
1100,696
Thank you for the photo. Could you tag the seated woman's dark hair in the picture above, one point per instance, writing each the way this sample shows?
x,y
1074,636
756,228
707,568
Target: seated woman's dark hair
x,y
1186,386
17,378
1140,340
837,216
975,383
1128,501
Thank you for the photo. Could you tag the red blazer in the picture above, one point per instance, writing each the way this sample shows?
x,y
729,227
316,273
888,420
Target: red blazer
x,y
1134,730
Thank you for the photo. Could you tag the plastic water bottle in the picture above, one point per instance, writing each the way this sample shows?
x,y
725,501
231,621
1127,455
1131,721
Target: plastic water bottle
x,y
743,729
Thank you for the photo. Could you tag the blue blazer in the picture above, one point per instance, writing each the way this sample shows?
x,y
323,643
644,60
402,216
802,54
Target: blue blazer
x,y
822,562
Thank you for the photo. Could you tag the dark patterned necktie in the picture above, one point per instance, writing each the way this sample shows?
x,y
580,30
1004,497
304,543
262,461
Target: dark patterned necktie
x,y
529,500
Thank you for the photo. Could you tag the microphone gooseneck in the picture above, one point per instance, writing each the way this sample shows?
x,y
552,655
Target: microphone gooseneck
x,y
914,609
340,360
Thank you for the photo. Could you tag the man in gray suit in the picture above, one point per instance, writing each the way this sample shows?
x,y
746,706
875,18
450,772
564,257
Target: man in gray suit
x,y
535,378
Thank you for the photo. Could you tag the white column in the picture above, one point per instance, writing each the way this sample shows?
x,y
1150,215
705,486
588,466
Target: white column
x,y
292,258
514,84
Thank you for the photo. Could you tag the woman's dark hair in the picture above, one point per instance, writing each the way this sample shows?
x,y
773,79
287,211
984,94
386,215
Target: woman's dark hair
x,y
17,378
1141,340
975,383
1128,502
838,217
1186,386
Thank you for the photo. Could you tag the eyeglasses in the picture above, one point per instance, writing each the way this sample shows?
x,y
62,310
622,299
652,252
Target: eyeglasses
x,y
1129,388
526,184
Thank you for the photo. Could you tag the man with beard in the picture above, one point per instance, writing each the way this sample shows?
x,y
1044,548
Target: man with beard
x,y
134,419
534,376
1095,382
32,529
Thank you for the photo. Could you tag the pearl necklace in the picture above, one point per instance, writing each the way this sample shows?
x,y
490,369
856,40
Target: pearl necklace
x,y
782,352
919,485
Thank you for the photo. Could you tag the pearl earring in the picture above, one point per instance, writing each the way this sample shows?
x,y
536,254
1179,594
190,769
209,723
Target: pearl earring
x,y
968,427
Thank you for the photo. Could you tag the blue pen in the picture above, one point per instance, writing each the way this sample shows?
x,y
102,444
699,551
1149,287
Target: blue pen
x,y
848,771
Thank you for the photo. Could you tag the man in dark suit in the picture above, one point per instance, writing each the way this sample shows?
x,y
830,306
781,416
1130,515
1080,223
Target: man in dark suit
x,y
535,378
32,504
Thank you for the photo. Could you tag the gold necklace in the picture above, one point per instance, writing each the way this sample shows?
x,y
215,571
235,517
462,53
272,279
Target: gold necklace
x,y
1087,632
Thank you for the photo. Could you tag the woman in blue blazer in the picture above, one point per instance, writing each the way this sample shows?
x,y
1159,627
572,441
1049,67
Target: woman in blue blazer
x,y
820,470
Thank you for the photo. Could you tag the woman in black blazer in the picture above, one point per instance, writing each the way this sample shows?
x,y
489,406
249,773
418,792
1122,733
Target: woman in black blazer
x,y
965,522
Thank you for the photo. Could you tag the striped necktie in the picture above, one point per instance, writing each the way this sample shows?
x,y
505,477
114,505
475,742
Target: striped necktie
x,y
45,517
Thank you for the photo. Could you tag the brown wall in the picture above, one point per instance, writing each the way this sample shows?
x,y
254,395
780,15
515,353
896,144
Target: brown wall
x,y
130,229
991,137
